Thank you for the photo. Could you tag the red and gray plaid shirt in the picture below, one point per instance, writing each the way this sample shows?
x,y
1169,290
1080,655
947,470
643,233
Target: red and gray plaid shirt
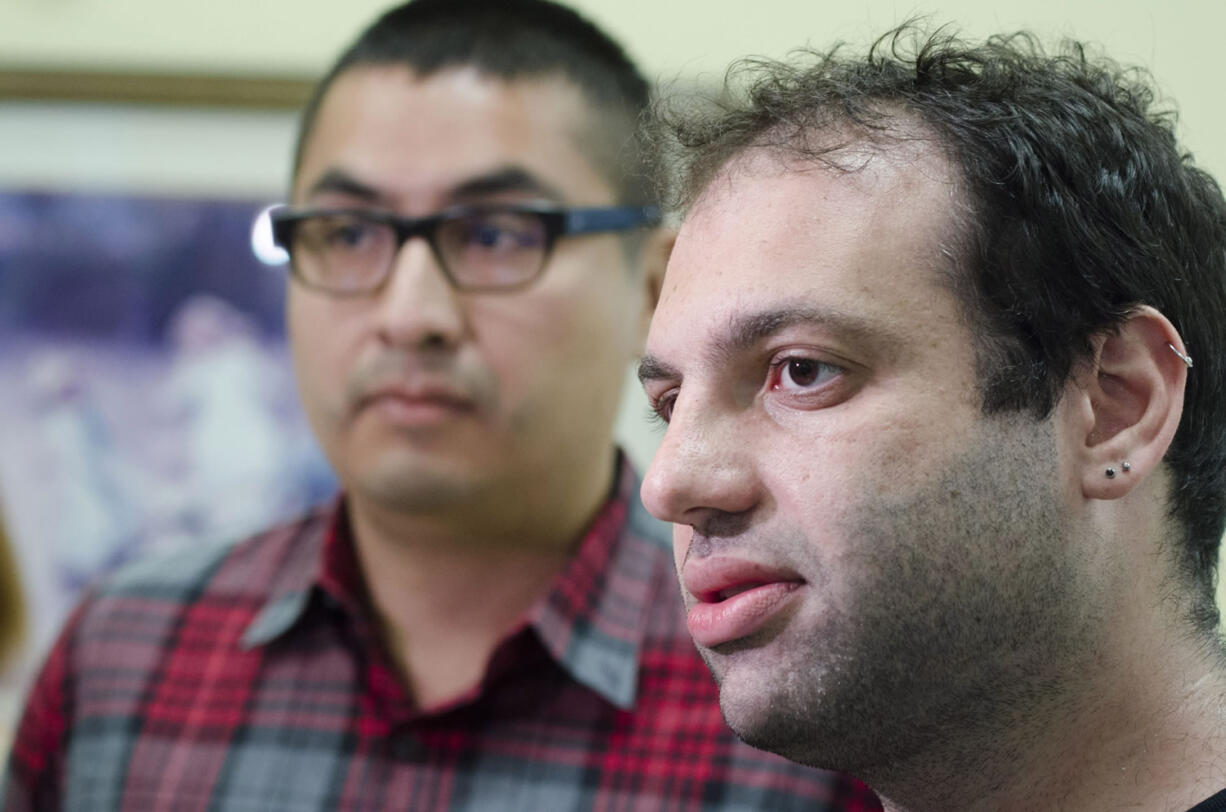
x,y
251,677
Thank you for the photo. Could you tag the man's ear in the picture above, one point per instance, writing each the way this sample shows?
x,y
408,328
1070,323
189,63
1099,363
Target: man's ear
x,y
656,251
1132,399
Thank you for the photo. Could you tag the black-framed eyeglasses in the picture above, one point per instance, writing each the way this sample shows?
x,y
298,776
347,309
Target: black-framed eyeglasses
x,y
351,252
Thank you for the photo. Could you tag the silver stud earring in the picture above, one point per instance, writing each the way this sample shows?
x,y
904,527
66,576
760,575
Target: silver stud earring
x,y
1127,466
1110,473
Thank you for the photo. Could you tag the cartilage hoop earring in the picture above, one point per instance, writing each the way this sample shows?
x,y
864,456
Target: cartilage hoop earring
x,y
1187,359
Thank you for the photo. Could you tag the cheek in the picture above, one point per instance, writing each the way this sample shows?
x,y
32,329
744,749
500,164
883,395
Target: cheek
x,y
871,442
598,297
302,339
596,308
816,478
316,338
567,345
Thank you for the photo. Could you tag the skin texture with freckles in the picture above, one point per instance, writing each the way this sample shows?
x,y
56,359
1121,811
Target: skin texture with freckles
x,y
932,540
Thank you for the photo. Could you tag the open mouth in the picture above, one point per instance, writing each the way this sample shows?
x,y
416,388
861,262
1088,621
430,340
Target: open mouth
x,y
725,594
739,611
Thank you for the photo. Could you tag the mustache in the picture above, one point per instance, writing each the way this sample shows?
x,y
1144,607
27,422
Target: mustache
x,y
391,370
717,530
718,524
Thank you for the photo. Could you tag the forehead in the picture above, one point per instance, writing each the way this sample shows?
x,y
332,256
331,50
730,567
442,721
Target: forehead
x,y
770,235
414,137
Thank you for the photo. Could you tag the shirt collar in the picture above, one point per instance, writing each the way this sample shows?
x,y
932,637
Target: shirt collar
x,y
592,621
594,618
290,591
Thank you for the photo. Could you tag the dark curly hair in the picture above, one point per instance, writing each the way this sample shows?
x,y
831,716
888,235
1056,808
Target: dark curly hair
x,y
1080,207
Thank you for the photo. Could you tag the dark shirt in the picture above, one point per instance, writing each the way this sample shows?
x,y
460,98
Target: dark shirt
x,y
1215,804
251,677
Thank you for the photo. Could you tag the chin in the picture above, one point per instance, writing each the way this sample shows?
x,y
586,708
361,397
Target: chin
x,y
775,731
790,709
419,485
800,736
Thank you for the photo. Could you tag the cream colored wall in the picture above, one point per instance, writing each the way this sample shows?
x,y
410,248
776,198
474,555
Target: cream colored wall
x,y
1177,38
54,146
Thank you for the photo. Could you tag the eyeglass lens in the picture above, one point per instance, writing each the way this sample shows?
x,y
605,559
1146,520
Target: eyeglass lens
x,y
348,253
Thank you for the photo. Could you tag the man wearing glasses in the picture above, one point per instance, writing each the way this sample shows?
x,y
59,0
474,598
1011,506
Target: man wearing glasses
x,y
486,619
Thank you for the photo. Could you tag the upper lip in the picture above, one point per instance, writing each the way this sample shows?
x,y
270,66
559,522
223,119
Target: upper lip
x,y
717,577
417,391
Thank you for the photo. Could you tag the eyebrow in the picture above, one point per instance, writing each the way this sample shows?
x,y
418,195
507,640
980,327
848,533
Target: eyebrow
x,y
337,180
653,369
748,330
506,179
502,180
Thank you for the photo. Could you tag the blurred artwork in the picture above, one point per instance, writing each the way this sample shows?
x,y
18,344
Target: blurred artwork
x,y
93,524
146,401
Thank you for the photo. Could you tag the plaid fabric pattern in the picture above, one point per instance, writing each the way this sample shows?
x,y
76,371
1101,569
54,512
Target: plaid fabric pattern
x,y
249,678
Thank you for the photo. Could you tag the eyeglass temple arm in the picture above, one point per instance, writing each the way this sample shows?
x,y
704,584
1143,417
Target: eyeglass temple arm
x,y
587,221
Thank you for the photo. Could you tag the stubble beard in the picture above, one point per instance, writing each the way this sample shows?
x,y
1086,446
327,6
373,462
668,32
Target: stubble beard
x,y
960,609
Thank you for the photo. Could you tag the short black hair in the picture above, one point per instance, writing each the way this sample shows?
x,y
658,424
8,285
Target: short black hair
x,y
510,40
1081,206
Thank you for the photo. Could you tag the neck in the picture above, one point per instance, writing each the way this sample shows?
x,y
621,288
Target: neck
x,y
1145,729
447,589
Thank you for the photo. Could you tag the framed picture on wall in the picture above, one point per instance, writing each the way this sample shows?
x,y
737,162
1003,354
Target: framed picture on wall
x,y
146,400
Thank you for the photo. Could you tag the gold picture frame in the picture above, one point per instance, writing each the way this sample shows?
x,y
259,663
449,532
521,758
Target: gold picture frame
x,y
164,89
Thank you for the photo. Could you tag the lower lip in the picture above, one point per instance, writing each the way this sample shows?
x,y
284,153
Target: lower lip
x,y
415,413
739,616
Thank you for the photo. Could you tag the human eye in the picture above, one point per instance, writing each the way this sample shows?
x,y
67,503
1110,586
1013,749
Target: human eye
x,y
338,233
341,251
497,232
350,235
802,375
660,408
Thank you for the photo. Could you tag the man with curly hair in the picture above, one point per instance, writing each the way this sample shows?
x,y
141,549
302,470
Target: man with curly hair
x,y
942,353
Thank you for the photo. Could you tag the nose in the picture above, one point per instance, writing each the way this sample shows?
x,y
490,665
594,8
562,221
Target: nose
x,y
419,308
703,471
